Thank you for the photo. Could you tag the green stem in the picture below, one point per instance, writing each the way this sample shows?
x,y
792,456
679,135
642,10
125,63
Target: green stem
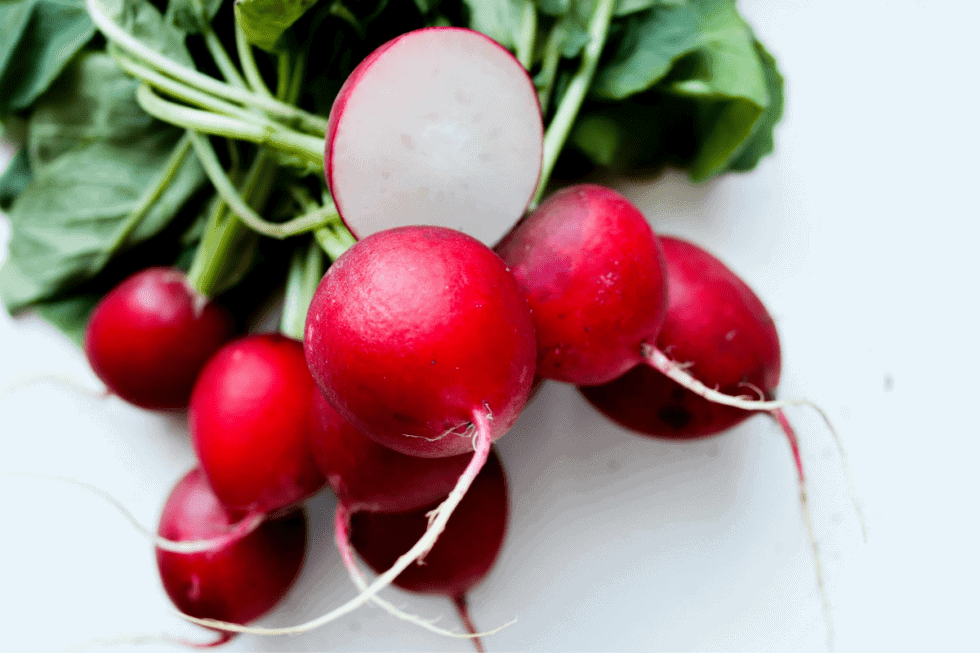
x,y
549,65
221,58
225,232
309,148
529,29
152,194
188,94
305,271
298,225
282,74
334,241
191,77
249,65
571,102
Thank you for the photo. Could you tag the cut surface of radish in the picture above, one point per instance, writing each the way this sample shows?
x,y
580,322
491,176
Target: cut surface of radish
x,y
439,126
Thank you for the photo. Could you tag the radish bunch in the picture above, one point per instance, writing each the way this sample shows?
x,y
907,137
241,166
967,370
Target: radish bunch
x,y
423,342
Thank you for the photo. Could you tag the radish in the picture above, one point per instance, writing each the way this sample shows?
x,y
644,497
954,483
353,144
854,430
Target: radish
x,y
416,335
593,273
462,557
370,477
420,338
149,337
438,126
250,421
238,582
716,324
720,330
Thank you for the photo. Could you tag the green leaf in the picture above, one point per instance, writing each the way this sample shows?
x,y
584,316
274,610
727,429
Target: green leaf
x,y
37,40
726,75
760,143
192,16
71,219
646,50
264,21
498,19
15,178
92,102
145,22
70,314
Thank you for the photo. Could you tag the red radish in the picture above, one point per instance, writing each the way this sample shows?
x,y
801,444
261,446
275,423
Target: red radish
x,y
720,330
593,273
462,557
413,332
368,476
149,337
250,423
242,580
438,126
714,321
420,338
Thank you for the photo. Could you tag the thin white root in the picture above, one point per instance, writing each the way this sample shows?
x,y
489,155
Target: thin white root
x,y
418,550
794,444
675,371
235,531
342,538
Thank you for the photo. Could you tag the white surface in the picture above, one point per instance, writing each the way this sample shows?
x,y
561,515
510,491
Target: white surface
x,y
859,234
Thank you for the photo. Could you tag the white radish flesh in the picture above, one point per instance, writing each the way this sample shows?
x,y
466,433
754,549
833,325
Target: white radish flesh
x,y
440,126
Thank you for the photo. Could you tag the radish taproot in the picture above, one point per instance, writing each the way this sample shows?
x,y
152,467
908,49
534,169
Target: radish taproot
x,y
464,554
438,126
149,337
421,338
239,581
250,422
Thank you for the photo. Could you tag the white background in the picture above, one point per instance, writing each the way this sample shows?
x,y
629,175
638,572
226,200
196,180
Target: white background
x,y
860,234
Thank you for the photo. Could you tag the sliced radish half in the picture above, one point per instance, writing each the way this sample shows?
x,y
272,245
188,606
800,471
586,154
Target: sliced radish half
x,y
439,126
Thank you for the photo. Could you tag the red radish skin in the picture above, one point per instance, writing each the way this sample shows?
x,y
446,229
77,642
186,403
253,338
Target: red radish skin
x,y
250,422
593,273
464,554
370,477
242,580
149,337
413,330
461,148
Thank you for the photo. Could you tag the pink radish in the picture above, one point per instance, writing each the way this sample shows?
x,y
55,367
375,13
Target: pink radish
x,y
717,323
370,477
593,273
717,328
418,334
438,126
238,582
149,337
420,338
462,557
250,423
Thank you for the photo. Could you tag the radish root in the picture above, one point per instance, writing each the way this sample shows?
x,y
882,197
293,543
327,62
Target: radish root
x,y
419,549
235,532
794,444
675,371
342,538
